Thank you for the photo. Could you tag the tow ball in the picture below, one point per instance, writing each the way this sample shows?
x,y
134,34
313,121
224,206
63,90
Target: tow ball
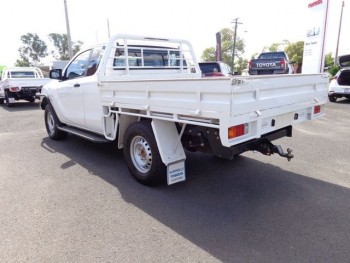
x,y
278,149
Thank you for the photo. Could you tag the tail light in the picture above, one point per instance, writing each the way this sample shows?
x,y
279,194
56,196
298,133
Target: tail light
x,y
283,63
217,74
14,89
317,109
250,64
238,130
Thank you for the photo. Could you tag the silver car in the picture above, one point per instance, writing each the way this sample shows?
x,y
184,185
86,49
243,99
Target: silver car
x,y
339,86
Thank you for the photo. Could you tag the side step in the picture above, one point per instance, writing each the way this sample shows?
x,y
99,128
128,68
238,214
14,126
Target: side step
x,y
84,134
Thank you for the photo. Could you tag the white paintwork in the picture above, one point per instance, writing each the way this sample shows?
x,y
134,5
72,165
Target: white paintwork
x,y
8,81
179,94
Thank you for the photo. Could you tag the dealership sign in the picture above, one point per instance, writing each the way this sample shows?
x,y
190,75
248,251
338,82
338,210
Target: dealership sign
x,y
314,45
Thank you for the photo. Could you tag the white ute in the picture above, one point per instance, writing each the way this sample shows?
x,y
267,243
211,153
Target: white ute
x,y
148,95
21,83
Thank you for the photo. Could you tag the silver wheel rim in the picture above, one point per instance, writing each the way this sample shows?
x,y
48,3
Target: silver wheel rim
x,y
50,123
141,154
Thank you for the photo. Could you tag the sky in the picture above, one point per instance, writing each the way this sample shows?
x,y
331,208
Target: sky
x,y
263,22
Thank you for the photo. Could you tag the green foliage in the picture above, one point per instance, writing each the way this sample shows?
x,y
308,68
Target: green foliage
x,y
333,70
23,62
227,49
60,42
241,64
277,46
32,50
329,60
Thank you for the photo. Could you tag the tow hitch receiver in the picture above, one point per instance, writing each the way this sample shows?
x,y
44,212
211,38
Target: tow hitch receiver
x,y
278,149
266,147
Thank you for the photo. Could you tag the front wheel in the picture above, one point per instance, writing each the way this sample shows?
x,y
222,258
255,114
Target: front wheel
x,y
51,124
142,155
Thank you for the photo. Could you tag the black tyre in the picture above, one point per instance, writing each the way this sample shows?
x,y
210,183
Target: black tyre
x,y
31,99
2,101
7,101
142,155
51,124
332,98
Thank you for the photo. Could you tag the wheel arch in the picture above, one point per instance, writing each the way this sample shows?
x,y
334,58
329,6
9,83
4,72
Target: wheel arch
x,y
44,101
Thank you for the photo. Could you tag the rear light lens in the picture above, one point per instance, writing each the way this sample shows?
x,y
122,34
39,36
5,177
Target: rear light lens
x,y
14,89
283,63
238,130
317,109
217,74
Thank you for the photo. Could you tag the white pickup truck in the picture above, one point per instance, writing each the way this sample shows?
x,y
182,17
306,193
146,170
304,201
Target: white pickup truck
x,y
148,95
21,83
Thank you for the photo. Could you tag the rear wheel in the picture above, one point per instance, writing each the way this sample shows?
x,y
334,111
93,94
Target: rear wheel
x,y
51,124
142,155
1,101
7,101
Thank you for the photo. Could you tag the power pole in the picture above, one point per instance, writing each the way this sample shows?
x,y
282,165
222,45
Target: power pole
x,y
235,21
340,22
70,51
109,33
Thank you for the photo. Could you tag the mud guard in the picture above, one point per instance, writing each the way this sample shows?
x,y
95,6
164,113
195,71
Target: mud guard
x,y
170,149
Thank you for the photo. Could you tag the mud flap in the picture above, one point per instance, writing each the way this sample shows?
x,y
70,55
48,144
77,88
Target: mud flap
x,y
170,149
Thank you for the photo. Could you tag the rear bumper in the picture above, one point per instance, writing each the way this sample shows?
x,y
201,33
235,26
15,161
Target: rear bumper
x,y
262,144
268,71
340,92
24,93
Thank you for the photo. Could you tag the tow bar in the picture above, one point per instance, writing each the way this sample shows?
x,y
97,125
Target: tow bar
x,y
278,149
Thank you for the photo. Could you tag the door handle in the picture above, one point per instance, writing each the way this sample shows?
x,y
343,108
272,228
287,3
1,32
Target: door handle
x,y
76,85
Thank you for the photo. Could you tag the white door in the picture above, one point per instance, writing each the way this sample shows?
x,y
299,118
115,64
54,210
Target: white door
x,y
70,91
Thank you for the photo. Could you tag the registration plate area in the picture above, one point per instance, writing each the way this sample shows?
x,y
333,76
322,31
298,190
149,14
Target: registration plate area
x,y
277,122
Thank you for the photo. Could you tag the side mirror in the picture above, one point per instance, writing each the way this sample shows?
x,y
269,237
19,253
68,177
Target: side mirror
x,y
55,74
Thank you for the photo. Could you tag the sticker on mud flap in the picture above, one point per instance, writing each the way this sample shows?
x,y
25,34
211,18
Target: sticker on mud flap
x,y
176,173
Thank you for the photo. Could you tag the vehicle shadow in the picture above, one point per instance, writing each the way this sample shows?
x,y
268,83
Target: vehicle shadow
x,y
342,101
238,211
22,106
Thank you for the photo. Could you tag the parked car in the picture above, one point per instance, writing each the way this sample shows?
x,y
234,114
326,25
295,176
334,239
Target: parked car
x,y
339,86
271,63
21,83
215,69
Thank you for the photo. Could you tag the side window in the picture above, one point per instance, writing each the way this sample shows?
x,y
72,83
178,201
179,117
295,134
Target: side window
x,y
77,67
94,60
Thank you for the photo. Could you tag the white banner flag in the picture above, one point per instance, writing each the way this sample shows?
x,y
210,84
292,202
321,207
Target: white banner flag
x,y
313,57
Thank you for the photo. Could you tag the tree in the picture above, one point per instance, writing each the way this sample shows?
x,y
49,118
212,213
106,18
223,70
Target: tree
x,y
32,51
329,64
60,42
277,46
295,53
329,60
241,64
226,48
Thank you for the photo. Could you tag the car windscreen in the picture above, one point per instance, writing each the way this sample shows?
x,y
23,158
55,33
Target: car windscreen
x,y
272,55
209,67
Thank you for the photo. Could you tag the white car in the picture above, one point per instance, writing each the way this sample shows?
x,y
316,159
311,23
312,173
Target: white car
x,y
339,86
